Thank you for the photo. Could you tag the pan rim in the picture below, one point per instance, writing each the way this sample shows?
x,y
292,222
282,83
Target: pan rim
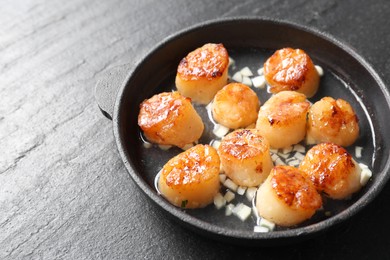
x,y
242,235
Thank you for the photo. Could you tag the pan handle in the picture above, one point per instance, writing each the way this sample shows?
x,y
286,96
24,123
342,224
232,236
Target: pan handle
x,y
107,87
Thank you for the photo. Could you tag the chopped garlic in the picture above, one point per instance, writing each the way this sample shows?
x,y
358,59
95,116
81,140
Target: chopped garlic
x,y
147,145
241,190
230,185
246,81
250,193
259,82
215,143
187,146
219,201
237,77
229,209
242,211
319,69
287,150
268,224
220,130
260,229
299,148
222,178
164,147
365,175
358,151
229,196
260,71
246,72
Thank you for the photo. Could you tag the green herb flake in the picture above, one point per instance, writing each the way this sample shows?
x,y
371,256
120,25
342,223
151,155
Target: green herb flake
x,y
184,203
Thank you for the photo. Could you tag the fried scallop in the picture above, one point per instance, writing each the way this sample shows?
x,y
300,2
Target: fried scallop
x,y
235,106
169,118
331,120
282,119
291,69
203,72
245,157
287,198
332,170
191,179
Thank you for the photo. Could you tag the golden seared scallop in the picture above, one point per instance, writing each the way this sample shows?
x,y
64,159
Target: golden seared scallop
x,y
282,119
170,119
331,120
235,106
287,198
291,69
332,170
245,157
203,72
191,179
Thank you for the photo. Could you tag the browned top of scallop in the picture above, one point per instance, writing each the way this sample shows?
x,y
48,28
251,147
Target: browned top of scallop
x,y
196,165
328,166
294,189
285,107
243,144
161,108
288,67
208,61
336,114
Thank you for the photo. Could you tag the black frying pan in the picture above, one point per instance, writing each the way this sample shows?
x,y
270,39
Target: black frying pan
x,y
250,41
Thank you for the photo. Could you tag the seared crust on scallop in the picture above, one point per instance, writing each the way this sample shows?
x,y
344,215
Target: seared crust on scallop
x,y
332,170
191,179
235,106
287,198
282,118
170,119
291,69
245,157
203,72
331,120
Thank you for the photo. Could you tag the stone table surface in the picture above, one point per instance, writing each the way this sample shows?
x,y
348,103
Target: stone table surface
x,y
64,191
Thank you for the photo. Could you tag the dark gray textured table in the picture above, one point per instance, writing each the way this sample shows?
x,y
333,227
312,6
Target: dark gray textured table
x,y
64,192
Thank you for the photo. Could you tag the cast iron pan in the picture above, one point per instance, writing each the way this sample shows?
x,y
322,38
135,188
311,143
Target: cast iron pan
x,y
250,41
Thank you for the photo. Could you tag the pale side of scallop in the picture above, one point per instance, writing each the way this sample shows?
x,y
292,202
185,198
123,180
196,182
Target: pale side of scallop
x,y
235,106
291,69
282,119
331,120
332,170
191,179
245,157
169,118
287,198
203,72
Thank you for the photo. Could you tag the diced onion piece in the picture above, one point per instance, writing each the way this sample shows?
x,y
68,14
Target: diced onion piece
x,y
365,175
260,229
229,209
260,71
319,69
293,162
250,193
363,166
299,156
266,223
299,148
220,130
164,147
222,178
215,143
241,190
187,146
259,82
237,77
219,201
229,196
287,150
242,211
358,151
246,81
230,184
246,72
279,162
